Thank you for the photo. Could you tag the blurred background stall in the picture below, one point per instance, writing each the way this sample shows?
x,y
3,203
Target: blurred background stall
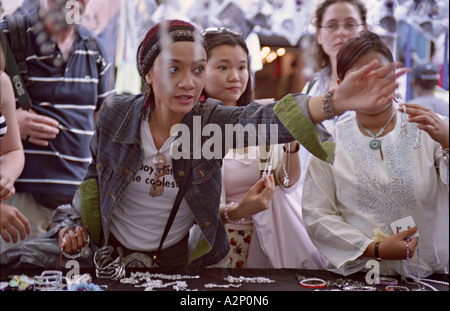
x,y
280,35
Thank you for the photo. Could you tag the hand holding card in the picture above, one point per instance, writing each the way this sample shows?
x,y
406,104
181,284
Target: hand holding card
x,y
403,225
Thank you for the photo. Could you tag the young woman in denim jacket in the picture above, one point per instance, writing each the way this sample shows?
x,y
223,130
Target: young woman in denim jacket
x,y
133,131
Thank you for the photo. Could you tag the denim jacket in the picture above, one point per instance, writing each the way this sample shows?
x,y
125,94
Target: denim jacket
x,y
117,155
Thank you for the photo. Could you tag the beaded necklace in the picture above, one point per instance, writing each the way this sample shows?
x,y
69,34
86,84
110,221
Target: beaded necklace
x,y
375,143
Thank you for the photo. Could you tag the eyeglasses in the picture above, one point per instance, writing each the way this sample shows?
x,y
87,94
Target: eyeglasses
x,y
350,27
160,165
219,30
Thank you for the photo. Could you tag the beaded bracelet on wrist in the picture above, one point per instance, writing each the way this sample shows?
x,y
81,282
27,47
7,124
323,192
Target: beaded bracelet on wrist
x,y
227,218
328,104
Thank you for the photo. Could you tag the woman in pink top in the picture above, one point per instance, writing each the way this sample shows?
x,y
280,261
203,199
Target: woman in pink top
x,y
259,202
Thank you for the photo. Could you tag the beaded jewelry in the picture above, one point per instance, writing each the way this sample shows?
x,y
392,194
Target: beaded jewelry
x,y
375,143
243,279
86,287
354,288
227,218
313,283
328,105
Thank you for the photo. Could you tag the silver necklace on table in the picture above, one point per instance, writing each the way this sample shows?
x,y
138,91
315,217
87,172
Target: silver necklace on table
x,y
375,143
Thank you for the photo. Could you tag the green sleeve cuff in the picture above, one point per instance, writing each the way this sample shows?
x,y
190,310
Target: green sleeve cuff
x,y
90,209
299,124
201,249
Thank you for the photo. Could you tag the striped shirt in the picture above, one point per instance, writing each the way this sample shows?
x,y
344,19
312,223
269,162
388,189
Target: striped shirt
x,y
69,93
3,126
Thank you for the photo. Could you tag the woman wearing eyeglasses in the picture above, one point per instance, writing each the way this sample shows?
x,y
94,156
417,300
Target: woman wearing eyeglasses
x,y
136,134
261,218
336,22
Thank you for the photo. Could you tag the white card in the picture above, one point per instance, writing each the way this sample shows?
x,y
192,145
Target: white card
x,y
404,224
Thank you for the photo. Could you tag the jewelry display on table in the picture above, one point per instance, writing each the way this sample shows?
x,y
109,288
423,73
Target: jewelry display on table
x,y
388,281
153,281
106,266
21,282
342,284
354,288
86,287
212,285
396,288
48,281
232,280
85,252
313,283
244,279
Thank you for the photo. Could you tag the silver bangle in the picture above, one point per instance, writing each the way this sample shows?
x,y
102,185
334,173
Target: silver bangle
x,y
84,252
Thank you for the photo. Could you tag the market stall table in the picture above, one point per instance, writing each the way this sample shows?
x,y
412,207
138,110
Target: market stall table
x,y
214,279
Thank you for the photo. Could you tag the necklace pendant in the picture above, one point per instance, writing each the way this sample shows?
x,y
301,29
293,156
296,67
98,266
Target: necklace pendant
x,y
375,144
159,161
286,181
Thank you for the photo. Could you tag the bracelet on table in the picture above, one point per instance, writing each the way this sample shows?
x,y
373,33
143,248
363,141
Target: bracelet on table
x,y
328,104
227,218
396,288
388,281
313,283
297,148
354,288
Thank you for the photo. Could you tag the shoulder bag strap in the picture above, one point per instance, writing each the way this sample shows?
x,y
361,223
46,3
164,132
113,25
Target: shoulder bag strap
x,y
176,205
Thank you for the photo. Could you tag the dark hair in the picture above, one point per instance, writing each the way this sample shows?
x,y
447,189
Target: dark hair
x,y
427,84
225,37
356,47
322,58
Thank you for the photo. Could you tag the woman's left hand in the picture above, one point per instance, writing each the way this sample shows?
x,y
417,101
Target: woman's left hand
x,y
7,189
429,122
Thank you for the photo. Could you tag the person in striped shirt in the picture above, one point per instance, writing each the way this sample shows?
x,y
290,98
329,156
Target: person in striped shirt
x,y
70,79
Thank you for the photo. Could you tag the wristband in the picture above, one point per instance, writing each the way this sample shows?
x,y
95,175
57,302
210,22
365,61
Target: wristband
x,y
377,255
297,148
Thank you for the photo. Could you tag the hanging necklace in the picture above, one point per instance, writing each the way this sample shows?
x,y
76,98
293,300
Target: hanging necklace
x,y
375,143
156,129
159,164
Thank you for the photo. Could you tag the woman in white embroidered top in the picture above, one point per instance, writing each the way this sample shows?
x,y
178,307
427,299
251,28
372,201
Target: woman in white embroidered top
x,y
387,167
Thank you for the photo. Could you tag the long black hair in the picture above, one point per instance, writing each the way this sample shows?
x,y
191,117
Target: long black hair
x,y
228,37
